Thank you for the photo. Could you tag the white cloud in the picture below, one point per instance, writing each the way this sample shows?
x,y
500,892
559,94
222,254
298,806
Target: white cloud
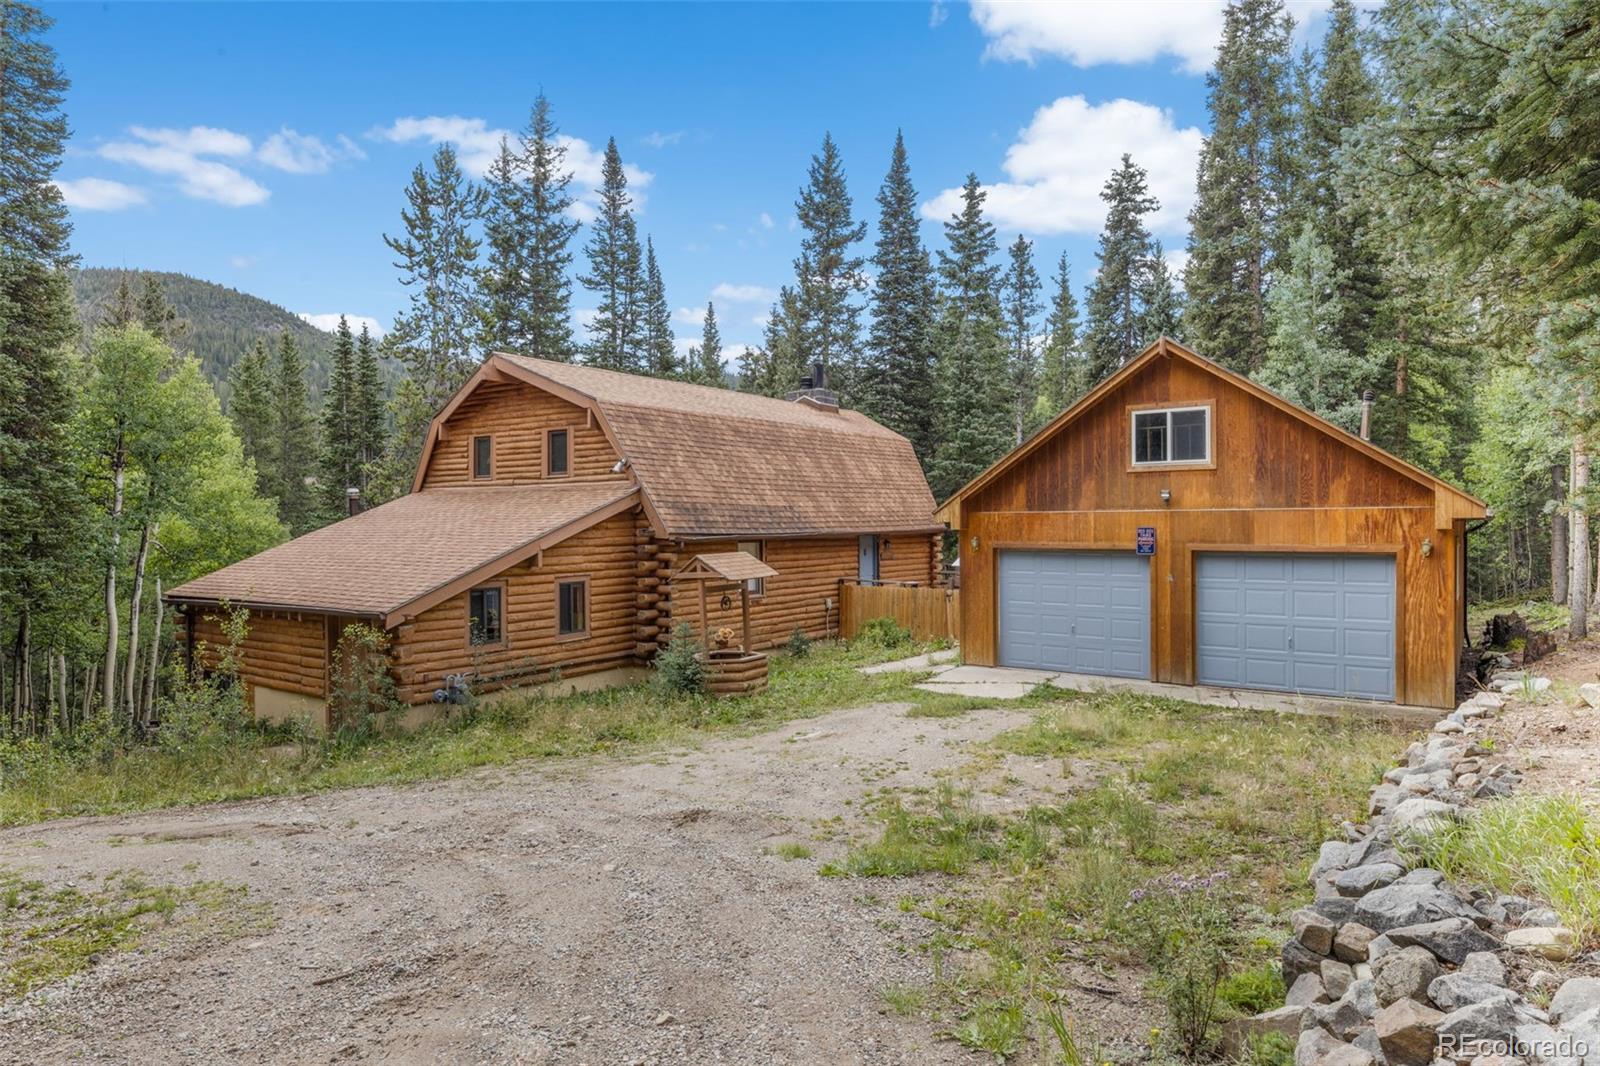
x,y
330,323
766,221
478,144
690,316
178,153
1091,32
760,321
301,153
1060,162
743,293
99,194
1177,261
658,139
938,14
241,262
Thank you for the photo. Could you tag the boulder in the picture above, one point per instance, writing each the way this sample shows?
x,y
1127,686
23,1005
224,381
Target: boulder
x,y
1485,966
1401,905
1336,909
1547,1046
1334,855
1486,1020
1590,693
1452,991
1543,983
1306,991
1360,880
1554,942
1452,939
1351,941
1313,930
1404,974
1318,1048
1539,916
1238,1033
1448,725
1422,875
1343,1019
1363,996
1406,1031
1573,998
1297,960
1337,977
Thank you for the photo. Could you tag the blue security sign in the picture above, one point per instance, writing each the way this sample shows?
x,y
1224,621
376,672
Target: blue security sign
x,y
1144,540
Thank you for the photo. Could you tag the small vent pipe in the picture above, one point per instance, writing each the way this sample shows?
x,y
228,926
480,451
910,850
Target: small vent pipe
x,y
1366,415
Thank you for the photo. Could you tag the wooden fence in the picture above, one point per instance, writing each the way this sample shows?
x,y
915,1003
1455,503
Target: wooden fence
x,y
928,612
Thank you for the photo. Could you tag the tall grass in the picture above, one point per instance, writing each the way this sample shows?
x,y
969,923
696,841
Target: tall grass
x,y
1542,846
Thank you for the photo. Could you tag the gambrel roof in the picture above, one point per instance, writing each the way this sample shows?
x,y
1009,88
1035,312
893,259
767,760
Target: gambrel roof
x,y
1450,503
714,462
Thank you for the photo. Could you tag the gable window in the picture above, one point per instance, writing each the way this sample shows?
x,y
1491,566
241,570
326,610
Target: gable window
x,y
1172,435
555,453
482,457
757,585
484,615
572,607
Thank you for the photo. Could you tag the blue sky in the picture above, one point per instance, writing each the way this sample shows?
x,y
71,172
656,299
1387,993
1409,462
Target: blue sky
x,y
266,146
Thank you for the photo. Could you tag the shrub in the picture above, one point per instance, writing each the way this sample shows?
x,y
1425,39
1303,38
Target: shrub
x,y
362,688
799,644
207,706
679,669
1186,928
883,633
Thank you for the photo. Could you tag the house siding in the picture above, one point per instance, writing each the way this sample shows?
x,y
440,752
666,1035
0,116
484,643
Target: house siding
x,y
516,416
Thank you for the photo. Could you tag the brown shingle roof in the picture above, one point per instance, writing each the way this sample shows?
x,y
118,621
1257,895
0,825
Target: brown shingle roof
x,y
714,462
396,555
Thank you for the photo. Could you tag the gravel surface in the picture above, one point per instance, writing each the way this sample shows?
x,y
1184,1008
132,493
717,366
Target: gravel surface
x,y
601,911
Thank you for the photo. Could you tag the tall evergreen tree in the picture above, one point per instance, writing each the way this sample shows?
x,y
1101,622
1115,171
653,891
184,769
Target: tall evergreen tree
x,y
546,253
250,409
505,272
897,379
616,275
777,366
1161,304
41,530
155,313
294,451
368,418
1064,377
1306,360
705,359
1246,169
827,272
1115,298
660,346
437,337
970,398
1020,295
124,309
341,447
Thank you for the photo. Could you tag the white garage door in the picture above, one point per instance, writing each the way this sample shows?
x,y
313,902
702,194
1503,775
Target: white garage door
x,y
1084,612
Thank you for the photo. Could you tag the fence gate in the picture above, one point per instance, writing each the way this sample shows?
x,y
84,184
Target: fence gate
x,y
930,613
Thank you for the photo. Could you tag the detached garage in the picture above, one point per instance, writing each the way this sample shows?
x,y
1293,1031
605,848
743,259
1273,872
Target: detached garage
x,y
1183,524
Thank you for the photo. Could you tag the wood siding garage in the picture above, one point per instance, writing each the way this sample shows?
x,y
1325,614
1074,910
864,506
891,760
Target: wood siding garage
x,y
1083,612
1260,478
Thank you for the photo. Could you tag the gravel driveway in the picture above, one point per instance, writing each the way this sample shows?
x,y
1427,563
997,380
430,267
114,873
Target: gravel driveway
x,y
602,911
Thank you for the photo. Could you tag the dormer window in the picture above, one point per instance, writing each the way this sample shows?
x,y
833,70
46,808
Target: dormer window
x,y
482,457
555,453
1172,435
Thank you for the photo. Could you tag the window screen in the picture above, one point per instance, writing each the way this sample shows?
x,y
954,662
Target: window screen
x,y
1189,435
1172,436
482,450
483,616
1150,437
572,607
556,462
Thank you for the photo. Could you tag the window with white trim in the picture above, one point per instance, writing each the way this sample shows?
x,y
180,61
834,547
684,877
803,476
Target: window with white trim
x,y
758,548
1172,435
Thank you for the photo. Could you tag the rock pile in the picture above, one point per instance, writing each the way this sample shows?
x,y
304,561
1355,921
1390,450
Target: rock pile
x,y
1392,965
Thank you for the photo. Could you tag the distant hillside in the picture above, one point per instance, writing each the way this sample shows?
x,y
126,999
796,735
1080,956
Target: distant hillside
x,y
223,323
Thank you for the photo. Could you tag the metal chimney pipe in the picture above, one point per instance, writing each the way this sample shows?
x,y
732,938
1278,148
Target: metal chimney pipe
x,y
352,501
1366,415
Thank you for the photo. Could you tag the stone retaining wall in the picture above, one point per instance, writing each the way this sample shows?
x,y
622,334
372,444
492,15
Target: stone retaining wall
x,y
1393,965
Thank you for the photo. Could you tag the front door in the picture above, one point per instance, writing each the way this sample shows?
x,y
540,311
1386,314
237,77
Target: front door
x,y
868,558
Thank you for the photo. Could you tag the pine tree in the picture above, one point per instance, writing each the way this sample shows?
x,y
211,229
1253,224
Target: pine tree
x,y
616,276
341,449
250,409
41,533
436,338
970,400
896,386
1161,304
368,418
1115,330
1246,169
705,359
294,428
1020,296
1065,377
776,367
547,255
155,313
505,237
827,274
124,309
660,346
1306,360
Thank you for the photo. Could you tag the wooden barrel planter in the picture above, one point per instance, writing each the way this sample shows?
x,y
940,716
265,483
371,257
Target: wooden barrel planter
x,y
732,672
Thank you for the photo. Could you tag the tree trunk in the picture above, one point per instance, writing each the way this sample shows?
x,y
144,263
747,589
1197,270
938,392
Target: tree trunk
x,y
1578,588
109,667
63,701
22,667
148,701
1558,537
130,679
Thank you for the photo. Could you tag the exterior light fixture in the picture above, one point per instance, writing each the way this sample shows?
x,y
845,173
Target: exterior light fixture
x,y
1166,495
1427,547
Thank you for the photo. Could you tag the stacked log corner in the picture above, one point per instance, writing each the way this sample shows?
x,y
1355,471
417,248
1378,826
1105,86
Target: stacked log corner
x,y
654,562
735,673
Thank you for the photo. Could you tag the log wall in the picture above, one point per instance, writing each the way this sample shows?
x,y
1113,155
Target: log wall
x,y
287,652
516,416
434,645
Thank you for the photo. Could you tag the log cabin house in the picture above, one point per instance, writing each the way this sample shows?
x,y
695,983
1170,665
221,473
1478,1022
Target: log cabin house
x,y
1182,524
552,506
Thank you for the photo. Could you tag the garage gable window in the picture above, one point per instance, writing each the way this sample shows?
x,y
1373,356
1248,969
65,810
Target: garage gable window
x,y
1172,435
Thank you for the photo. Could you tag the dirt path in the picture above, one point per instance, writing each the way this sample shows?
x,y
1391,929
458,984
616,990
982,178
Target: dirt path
x,y
610,911
1555,739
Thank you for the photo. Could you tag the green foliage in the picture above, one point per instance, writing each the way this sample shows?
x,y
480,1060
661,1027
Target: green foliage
x,y
1253,991
340,462
250,410
294,431
1115,301
660,347
799,645
828,274
679,669
361,690
616,274
1065,377
705,359
206,708
1019,294
882,633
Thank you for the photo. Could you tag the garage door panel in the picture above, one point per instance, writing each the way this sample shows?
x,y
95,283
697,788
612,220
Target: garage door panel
x,y
1322,624
1088,612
